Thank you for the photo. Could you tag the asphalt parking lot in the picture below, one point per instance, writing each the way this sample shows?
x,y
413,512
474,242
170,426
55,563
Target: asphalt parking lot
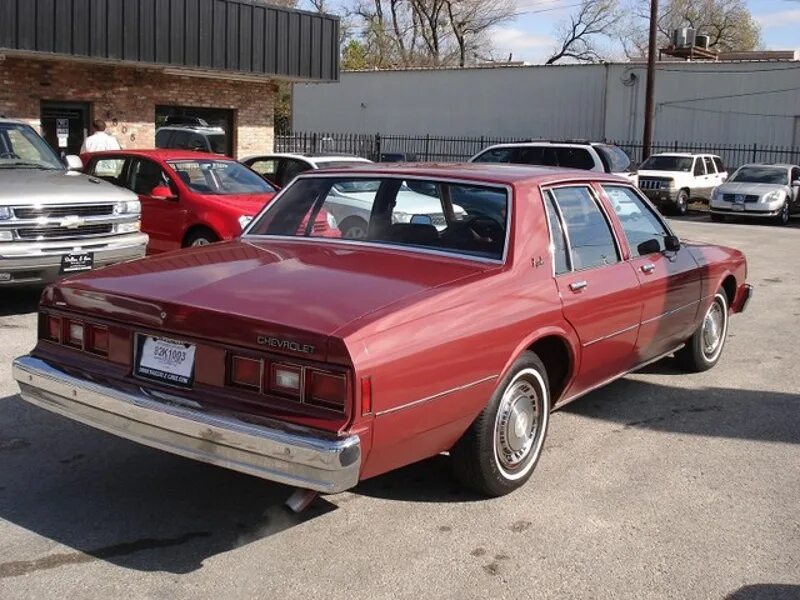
x,y
662,485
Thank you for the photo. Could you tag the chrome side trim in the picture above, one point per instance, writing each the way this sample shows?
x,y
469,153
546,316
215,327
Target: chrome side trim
x,y
270,449
611,335
670,312
569,399
435,396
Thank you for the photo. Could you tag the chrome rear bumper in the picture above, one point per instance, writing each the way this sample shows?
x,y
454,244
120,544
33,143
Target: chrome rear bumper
x,y
279,452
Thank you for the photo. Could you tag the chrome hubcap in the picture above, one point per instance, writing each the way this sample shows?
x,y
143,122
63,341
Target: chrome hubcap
x,y
713,329
517,424
201,242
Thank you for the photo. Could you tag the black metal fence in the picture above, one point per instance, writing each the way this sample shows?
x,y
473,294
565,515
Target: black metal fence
x,y
428,148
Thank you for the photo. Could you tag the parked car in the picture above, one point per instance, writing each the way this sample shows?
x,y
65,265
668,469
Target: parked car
x,y
54,221
589,156
185,136
350,202
762,191
188,198
281,168
389,157
673,179
320,362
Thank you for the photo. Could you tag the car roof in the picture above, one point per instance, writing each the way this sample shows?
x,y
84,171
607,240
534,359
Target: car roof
x,y
497,173
534,143
192,128
310,157
161,154
683,154
774,165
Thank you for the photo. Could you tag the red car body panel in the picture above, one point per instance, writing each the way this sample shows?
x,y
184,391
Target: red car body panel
x,y
168,222
433,334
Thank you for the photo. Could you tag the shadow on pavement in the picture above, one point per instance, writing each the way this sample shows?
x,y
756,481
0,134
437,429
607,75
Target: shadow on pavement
x,y
766,591
18,302
109,499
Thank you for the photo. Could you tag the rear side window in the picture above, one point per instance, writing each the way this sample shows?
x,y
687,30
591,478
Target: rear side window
x,y
265,167
590,238
718,162
497,155
710,168
162,138
699,169
575,158
538,155
110,169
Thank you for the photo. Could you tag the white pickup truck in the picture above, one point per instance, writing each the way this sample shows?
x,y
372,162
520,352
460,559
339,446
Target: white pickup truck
x,y
673,179
55,221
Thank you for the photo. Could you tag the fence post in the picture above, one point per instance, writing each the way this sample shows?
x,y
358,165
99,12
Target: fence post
x,y
378,147
676,146
427,146
755,150
314,143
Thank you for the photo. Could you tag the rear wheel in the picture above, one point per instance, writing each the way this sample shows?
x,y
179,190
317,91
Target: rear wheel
x,y
200,237
703,349
499,451
681,203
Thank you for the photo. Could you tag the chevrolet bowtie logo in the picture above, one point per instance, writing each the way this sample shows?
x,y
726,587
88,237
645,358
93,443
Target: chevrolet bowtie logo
x,y
72,222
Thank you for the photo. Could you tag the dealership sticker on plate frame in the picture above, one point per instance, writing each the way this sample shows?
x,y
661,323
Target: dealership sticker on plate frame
x,y
165,360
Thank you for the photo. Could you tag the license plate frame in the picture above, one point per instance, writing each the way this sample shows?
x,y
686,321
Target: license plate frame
x,y
77,262
738,207
158,359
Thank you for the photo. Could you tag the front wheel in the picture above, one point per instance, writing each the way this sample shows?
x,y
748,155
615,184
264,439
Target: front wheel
x,y
783,215
682,203
499,451
703,349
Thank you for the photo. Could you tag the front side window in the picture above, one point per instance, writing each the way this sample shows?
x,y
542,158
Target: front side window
x,y
219,177
146,176
590,238
642,228
21,147
411,213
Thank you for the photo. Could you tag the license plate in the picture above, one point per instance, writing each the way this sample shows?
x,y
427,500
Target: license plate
x,y
77,262
165,360
738,207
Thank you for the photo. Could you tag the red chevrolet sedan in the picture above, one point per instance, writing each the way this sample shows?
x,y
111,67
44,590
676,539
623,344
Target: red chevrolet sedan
x,y
188,198
319,362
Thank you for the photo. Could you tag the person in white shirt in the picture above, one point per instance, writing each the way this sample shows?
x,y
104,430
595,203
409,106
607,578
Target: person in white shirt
x,y
100,140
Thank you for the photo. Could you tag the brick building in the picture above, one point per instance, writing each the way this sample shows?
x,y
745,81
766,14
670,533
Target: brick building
x,y
138,63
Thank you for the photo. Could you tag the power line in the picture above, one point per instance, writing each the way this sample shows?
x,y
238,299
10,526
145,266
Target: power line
x,y
725,96
725,112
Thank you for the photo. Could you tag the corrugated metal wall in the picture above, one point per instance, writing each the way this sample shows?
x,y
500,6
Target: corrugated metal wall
x,y
726,103
222,35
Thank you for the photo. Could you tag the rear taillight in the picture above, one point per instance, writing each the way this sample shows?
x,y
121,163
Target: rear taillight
x,y
53,328
98,339
246,372
327,390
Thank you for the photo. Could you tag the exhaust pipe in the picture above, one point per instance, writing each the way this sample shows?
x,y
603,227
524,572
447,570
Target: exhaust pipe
x,y
300,499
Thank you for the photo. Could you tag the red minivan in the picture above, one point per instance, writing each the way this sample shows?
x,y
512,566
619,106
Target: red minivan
x,y
188,198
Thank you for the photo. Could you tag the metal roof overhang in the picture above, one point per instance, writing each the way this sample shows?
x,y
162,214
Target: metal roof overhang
x,y
231,39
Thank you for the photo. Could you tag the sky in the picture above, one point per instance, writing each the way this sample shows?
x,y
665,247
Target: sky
x,y
530,36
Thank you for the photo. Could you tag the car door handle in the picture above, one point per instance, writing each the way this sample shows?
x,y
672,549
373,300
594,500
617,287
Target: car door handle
x,y
648,268
577,286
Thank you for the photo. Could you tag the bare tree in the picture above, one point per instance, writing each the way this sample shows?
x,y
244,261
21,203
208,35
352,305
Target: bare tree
x,y
728,23
578,35
470,21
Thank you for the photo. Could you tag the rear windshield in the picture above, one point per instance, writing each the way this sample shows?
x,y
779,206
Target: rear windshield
x,y
667,163
614,158
572,157
774,175
433,215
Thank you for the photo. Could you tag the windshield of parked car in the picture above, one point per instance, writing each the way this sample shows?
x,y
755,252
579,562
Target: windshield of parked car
x,y
434,215
218,143
755,174
667,163
219,177
22,148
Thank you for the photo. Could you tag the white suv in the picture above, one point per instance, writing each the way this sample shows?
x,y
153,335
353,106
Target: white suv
x,y
673,179
281,168
587,156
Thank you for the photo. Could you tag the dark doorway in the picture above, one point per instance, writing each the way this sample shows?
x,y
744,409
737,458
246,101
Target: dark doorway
x,y
65,125
214,126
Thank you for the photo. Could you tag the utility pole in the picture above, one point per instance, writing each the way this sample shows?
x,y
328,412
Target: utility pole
x,y
647,138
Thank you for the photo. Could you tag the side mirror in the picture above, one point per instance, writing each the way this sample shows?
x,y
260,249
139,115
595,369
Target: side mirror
x,y
73,162
162,192
672,243
651,246
796,183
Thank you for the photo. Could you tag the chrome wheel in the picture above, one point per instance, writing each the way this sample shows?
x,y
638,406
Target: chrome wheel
x,y
783,218
715,327
520,424
201,241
